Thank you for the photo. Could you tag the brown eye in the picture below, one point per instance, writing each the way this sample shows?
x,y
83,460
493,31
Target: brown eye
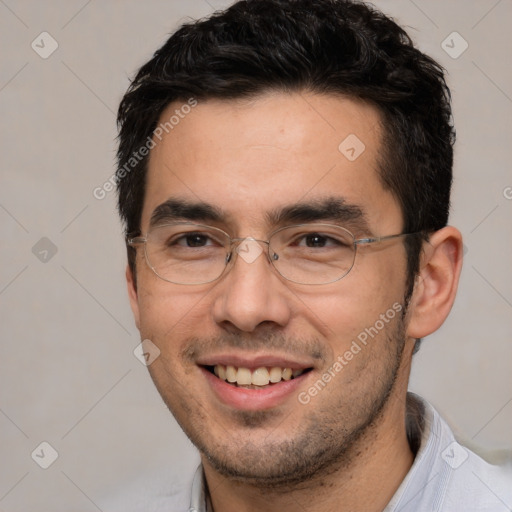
x,y
195,240
316,240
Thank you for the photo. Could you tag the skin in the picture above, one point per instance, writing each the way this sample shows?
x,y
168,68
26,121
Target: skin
x,y
248,157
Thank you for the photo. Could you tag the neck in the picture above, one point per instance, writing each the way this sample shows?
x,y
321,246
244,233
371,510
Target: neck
x,y
380,461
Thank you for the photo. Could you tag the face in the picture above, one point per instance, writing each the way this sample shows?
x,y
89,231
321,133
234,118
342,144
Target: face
x,y
250,167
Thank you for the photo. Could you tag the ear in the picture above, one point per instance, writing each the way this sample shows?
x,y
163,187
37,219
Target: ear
x,y
436,285
132,295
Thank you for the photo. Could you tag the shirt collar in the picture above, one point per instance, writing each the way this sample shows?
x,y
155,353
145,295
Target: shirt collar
x,y
199,501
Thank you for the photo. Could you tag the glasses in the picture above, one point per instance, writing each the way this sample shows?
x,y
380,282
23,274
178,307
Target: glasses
x,y
311,254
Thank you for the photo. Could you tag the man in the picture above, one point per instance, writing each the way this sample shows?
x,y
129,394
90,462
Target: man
x,y
284,178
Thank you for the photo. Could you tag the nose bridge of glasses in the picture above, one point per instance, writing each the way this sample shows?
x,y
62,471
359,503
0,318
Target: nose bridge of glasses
x,y
248,248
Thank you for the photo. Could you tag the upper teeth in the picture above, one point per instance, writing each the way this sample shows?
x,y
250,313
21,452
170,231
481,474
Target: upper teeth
x,y
260,377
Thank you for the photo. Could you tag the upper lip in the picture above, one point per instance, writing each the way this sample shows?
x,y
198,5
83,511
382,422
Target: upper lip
x,y
254,361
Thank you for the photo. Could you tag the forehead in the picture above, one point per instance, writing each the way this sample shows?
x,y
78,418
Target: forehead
x,y
249,157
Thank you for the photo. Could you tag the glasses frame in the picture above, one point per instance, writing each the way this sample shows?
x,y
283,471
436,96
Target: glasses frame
x,y
133,241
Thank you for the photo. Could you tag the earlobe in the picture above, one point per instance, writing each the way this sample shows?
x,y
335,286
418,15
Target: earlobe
x,y
132,295
436,285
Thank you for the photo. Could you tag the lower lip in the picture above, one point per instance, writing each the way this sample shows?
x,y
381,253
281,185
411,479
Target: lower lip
x,y
253,399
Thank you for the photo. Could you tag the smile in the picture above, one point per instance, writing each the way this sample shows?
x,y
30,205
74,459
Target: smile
x,y
254,384
255,379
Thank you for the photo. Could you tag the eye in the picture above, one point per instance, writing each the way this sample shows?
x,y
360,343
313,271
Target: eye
x,y
192,240
317,240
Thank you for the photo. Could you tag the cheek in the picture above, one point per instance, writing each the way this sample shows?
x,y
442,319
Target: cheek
x,y
344,309
170,313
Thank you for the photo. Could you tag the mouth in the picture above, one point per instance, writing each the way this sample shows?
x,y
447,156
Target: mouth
x,y
258,378
254,382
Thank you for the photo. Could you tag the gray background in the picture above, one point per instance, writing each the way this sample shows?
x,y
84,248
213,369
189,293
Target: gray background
x,y
68,373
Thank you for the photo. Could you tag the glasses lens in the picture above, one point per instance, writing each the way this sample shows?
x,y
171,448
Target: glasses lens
x,y
187,253
313,254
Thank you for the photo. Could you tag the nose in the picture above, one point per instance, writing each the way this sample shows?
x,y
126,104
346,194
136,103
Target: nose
x,y
251,294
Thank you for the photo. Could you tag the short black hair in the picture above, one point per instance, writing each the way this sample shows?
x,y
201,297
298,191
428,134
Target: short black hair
x,y
341,47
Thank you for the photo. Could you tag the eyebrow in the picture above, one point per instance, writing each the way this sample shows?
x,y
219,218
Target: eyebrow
x,y
331,209
179,209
